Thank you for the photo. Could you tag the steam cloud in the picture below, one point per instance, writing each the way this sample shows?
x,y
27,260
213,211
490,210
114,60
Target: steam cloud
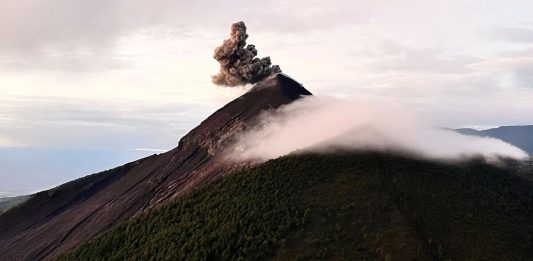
x,y
238,62
324,124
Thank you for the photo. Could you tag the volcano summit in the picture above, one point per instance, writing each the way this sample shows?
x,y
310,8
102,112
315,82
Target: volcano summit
x,y
54,221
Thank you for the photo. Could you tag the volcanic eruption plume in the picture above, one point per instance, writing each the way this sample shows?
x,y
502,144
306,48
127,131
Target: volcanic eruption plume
x,y
238,62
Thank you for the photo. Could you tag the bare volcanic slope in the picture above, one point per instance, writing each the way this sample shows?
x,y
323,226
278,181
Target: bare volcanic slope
x,y
56,220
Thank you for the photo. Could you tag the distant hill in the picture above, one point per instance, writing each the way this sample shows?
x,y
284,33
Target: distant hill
x,y
358,206
520,136
9,202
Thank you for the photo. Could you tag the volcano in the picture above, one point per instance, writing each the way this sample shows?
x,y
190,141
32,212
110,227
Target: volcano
x,y
54,221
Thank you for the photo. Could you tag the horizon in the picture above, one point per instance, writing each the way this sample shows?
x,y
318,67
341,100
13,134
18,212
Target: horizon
x,y
89,86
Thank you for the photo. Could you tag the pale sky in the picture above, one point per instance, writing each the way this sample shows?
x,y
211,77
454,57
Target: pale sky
x,y
120,77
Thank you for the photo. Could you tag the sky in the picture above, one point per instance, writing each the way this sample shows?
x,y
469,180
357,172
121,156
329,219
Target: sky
x,y
88,85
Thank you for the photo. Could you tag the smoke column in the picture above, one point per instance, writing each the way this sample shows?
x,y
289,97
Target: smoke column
x,y
324,124
238,62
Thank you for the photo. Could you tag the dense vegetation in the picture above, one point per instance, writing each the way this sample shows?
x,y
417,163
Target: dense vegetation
x,y
359,206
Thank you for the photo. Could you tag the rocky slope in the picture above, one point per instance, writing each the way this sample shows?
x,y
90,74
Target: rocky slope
x,y
59,219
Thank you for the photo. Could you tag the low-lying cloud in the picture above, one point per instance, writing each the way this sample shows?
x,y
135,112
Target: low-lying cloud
x,y
324,124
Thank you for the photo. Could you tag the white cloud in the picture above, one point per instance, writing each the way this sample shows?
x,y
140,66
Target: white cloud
x,y
82,123
6,142
4,194
76,34
325,124
521,34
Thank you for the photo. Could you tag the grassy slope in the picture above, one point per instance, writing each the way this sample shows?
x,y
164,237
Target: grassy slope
x,y
356,206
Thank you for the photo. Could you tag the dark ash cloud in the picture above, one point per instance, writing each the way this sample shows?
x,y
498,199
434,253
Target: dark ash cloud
x,y
238,62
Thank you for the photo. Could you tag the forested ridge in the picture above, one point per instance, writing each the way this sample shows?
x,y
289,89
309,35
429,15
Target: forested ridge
x,y
348,206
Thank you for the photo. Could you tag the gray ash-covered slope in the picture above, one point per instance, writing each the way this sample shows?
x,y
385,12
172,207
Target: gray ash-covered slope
x,y
57,220
519,136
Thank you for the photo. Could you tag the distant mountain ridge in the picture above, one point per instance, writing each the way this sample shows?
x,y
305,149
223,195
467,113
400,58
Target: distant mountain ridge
x,y
519,136
9,202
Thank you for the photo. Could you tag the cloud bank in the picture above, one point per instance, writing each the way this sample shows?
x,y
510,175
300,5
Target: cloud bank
x,y
323,124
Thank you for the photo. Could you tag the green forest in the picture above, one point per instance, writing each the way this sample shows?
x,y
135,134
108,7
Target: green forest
x,y
345,206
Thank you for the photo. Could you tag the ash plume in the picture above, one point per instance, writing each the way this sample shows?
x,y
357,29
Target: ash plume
x,y
238,62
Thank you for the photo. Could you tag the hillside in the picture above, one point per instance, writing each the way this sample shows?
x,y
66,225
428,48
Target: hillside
x,y
357,206
56,220
520,136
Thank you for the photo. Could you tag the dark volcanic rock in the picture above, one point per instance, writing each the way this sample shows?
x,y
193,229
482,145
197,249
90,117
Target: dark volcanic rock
x,y
57,220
